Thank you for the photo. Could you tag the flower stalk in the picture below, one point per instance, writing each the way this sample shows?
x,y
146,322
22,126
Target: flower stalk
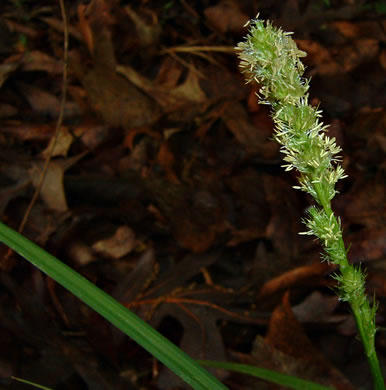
x,y
270,57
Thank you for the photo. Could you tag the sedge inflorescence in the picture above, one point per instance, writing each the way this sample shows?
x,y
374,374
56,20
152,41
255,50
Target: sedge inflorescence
x,y
270,57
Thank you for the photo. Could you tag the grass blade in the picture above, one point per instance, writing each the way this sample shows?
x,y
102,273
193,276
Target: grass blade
x,y
161,348
30,383
271,376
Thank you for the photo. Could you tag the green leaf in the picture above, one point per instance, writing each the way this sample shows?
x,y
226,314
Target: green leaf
x,y
160,347
30,383
272,376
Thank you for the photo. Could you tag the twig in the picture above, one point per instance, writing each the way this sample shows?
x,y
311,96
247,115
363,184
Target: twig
x,y
58,123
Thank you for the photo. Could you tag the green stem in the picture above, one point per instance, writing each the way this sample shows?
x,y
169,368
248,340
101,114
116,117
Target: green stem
x,y
368,341
367,337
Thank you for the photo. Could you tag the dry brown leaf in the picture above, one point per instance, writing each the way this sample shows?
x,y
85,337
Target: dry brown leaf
x,y
92,134
85,28
120,244
5,70
169,73
220,84
286,335
313,367
29,132
347,29
52,191
318,308
148,33
45,103
294,277
358,52
80,253
95,16
284,330
63,142
319,57
137,159
169,98
165,158
130,137
239,124
227,16
361,29
190,90
201,339
244,235
57,25
36,60
115,99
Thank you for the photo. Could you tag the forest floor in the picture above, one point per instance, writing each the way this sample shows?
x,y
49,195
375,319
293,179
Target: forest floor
x,y
166,190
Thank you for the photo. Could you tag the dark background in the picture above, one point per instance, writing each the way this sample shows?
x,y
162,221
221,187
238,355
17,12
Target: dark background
x,y
165,189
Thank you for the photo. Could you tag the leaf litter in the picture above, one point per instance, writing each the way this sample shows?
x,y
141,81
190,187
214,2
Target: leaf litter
x,y
166,190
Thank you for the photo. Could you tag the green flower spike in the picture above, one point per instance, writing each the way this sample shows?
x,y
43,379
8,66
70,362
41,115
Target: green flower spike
x,y
270,57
